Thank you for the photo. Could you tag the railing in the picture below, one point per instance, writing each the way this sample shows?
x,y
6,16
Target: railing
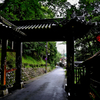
x,y
78,73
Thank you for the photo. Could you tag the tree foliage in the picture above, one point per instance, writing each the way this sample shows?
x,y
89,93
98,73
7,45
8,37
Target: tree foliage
x,y
58,56
53,51
38,51
24,10
87,46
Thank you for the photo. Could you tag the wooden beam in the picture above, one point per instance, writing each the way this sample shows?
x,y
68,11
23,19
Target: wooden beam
x,y
10,70
18,81
18,62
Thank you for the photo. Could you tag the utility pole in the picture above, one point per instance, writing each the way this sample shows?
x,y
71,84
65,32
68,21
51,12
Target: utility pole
x,y
46,57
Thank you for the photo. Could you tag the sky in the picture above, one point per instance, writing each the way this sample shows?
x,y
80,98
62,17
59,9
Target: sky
x,y
60,47
1,1
73,2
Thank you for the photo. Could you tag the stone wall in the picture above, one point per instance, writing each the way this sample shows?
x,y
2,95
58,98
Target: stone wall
x,y
10,78
27,74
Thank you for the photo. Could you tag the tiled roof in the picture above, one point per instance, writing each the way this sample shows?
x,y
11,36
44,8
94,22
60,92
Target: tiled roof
x,y
5,23
29,27
36,26
47,23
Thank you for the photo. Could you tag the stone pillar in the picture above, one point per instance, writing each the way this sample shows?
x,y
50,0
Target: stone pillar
x,y
3,88
18,80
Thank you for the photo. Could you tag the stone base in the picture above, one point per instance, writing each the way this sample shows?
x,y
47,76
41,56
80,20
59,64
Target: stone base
x,y
3,92
19,86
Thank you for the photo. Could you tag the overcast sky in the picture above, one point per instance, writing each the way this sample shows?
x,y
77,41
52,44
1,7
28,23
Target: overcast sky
x,y
73,2
60,47
1,1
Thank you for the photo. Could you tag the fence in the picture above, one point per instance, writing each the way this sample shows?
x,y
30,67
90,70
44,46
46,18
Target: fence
x,y
78,73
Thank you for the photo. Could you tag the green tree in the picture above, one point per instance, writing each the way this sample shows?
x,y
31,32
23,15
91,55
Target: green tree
x,y
53,52
58,56
24,10
38,50
29,48
87,45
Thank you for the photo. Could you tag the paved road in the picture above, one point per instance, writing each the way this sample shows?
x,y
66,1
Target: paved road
x,y
47,87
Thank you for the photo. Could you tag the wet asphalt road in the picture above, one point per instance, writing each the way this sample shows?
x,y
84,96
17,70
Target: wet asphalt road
x,y
47,87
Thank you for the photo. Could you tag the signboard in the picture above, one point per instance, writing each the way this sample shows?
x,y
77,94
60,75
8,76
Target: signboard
x,y
45,58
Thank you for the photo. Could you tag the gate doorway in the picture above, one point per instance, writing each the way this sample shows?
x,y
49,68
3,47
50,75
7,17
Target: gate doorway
x,y
32,30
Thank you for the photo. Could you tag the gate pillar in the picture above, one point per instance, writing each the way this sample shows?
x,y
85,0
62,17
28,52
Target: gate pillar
x,y
18,82
70,65
3,88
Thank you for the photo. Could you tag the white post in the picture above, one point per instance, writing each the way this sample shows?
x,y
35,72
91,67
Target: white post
x,y
12,44
7,44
